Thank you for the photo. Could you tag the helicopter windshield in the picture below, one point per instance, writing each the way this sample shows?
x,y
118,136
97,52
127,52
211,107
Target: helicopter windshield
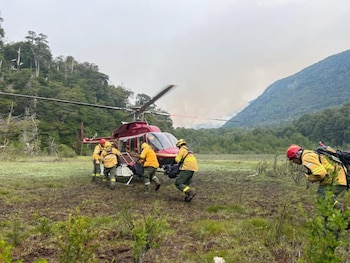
x,y
161,140
171,138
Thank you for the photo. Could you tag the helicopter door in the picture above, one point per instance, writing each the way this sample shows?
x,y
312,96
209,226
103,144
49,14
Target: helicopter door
x,y
133,145
122,145
141,141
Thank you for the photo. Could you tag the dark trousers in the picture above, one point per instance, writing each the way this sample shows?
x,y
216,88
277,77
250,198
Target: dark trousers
x,y
97,168
183,179
148,174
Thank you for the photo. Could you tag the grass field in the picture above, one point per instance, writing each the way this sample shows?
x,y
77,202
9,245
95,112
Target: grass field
x,y
244,211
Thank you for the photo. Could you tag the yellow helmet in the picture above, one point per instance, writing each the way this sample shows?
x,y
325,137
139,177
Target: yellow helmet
x,y
144,145
107,144
180,142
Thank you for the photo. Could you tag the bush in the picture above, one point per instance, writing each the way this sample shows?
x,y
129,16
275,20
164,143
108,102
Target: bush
x,y
65,151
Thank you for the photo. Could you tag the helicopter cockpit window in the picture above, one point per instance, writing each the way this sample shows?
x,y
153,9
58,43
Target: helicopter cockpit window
x,y
159,141
171,138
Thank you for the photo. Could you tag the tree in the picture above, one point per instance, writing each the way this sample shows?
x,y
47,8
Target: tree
x,y
40,49
2,32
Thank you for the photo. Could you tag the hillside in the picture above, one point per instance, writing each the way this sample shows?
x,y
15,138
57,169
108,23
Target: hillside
x,y
319,86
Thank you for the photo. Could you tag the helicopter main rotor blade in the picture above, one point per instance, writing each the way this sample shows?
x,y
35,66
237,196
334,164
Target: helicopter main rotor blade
x,y
151,101
64,101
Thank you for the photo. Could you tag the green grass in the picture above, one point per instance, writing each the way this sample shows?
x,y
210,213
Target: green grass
x,y
243,211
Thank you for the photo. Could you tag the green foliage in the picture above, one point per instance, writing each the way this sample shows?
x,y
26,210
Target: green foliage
x,y
65,151
294,171
16,235
209,228
125,222
326,232
148,232
5,253
44,226
217,209
262,168
75,240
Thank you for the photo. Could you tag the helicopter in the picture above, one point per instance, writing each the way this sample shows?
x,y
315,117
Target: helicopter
x,y
129,136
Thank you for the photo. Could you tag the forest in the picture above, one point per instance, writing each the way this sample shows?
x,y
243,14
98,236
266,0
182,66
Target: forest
x,y
35,127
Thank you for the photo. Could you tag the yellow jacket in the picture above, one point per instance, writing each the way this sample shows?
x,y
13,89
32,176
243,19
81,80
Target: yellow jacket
x,y
109,157
321,171
149,157
97,152
190,162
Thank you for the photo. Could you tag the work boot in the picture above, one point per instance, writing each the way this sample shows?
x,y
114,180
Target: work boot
x,y
104,181
93,177
113,185
97,179
189,194
156,180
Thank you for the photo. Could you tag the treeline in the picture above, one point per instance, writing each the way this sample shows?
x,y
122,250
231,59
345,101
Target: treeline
x,y
330,125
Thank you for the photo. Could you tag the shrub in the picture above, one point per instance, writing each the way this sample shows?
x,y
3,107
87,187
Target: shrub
x,y
65,151
75,240
149,232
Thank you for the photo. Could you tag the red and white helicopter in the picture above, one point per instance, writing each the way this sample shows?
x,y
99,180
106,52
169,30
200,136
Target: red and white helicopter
x,y
130,135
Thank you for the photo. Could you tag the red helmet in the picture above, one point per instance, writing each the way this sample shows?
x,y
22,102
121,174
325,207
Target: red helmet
x,y
292,151
102,141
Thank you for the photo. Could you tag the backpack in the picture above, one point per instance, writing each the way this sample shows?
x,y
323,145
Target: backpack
x,y
338,156
172,170
136,168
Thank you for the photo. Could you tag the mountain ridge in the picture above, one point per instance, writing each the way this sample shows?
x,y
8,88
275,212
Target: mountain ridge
x,y
321,85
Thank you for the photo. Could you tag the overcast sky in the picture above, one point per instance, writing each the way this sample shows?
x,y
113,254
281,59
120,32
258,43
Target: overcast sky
x,y
221,54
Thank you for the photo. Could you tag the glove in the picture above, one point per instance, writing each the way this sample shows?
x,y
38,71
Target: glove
x,y
97,162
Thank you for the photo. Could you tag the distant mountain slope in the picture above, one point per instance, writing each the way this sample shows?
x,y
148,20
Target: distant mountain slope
x,y
321,85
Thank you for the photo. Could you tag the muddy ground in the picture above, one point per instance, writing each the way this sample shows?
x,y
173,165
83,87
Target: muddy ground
x,y
245,196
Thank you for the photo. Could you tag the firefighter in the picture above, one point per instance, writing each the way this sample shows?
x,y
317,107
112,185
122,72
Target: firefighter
x,y
187,168
96,158
148,159
110,156
328,174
